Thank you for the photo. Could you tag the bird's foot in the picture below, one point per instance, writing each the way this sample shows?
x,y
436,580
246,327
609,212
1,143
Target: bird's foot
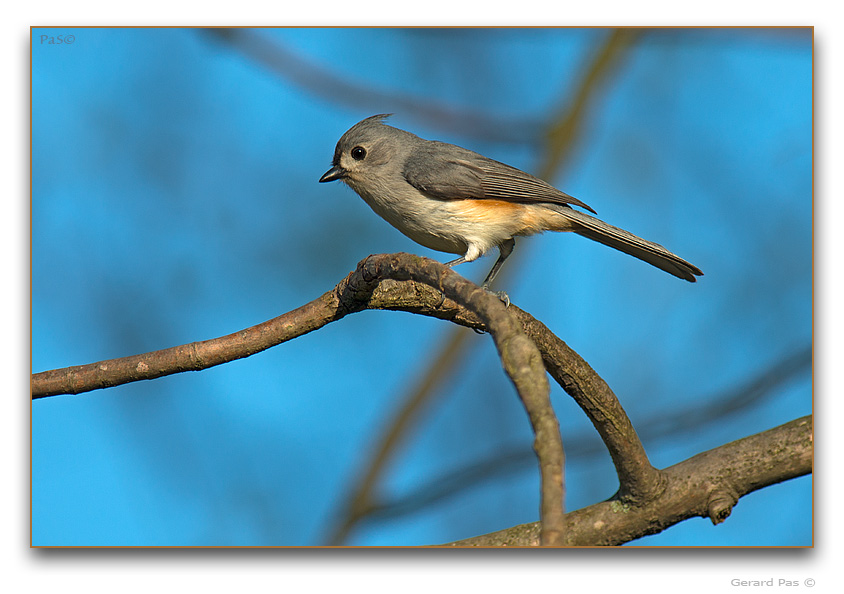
x,y
501,295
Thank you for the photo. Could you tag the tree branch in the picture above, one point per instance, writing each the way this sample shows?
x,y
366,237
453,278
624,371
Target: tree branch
x,y
638,479
706,485
650,499
519,356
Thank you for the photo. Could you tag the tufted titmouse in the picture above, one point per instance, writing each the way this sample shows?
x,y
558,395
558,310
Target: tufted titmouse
x,y
451,199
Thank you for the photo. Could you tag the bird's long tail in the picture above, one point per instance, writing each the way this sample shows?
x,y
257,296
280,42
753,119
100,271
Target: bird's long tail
x,y
624,241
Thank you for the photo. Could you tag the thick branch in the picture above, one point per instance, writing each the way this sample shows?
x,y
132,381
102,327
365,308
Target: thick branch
x,y
706,485
371,288
648,500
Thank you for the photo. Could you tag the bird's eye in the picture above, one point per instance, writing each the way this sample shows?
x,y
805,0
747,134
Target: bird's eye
x,y
358,153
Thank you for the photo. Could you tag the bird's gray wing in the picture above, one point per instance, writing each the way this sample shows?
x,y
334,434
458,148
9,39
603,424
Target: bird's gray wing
x,y
442,174
449,172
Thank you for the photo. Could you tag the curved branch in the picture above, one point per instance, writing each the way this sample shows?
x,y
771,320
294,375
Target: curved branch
x,y
376,284
706,485
521,361
638,479
519,356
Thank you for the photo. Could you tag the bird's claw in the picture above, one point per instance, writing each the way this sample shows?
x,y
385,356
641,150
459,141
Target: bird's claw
x,y
501,295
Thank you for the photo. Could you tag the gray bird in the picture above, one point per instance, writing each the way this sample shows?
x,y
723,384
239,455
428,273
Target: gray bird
x,y
454,200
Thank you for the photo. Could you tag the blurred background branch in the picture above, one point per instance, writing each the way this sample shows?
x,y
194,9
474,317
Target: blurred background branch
x,y
331,86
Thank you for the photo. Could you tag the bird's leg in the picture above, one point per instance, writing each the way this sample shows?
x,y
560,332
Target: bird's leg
x,y
504,251
473,252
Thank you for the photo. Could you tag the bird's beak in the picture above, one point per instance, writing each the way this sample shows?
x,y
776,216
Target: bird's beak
x,y
332,174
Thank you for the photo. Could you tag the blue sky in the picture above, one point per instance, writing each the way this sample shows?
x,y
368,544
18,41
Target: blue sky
x,y
175,199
